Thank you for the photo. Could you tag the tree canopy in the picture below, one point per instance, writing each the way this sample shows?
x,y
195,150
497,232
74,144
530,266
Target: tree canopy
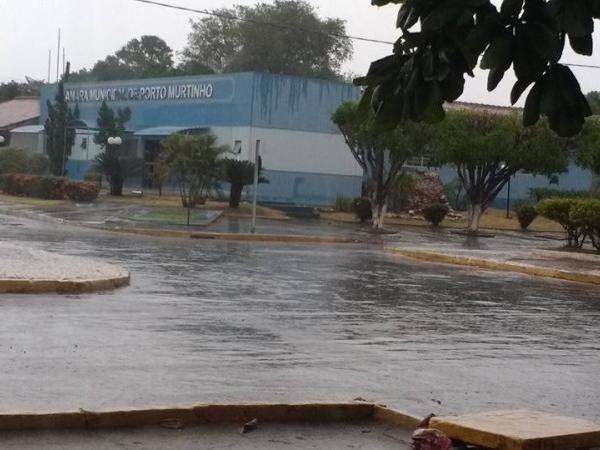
x,y
283,37
146,57
593,99
488,149
442,40
588,145
13,89
380,153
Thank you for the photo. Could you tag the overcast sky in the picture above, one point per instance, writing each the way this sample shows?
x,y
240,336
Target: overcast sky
x,y
91,29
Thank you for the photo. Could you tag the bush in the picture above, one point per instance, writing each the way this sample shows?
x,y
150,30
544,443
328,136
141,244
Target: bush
x,y
526,214
559,210
539,194
587,213
401,193
362,208
44,187
93,177
82,191
343,204
435,213
14,160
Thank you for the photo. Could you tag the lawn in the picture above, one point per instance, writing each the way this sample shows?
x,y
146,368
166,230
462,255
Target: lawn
x,y
493,219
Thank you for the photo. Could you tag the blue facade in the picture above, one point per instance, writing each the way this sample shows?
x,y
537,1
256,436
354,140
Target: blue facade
x,y
239,99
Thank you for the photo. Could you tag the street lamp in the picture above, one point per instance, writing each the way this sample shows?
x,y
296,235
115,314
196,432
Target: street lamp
x,y
503,166
114,140
2,140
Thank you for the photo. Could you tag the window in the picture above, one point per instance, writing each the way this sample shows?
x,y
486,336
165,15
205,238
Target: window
x,y
237,147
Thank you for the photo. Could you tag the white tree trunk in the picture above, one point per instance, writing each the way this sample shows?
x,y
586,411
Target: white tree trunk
x,y
378,212
475,213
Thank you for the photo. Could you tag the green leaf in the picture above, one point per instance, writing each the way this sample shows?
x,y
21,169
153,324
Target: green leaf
x,y
531,113
494,78
499,54
584,45
519,87
511,8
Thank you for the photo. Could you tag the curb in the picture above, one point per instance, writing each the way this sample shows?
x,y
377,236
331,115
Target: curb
x,y
246,237
499,266
207,414
61,286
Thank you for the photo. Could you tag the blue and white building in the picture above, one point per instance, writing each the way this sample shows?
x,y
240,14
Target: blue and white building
x,y
304,156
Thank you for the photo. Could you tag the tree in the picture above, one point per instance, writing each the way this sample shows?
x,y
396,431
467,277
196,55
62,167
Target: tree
x,y
593,99
146,57
587,146
112,161
488,149
12,89
441,41
284,37
239,174
381,154
59,130
194,163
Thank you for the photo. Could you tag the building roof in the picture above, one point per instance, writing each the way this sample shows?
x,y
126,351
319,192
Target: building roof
x,y
28,129
19,110
161,131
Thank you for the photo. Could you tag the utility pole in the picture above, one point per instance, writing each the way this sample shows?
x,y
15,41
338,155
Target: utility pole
x,y
58,57
49,65
255,193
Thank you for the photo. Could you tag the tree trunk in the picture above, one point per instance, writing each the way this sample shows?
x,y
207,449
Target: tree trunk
x,y
116,186
378,210
235,195
475,213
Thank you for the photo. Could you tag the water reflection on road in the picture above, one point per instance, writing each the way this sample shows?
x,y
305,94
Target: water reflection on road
x,y
207,321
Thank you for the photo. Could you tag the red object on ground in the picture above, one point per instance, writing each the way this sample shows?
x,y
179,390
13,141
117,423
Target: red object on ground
x,y
430,439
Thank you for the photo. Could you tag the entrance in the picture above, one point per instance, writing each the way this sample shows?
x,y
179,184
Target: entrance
x,y
151,151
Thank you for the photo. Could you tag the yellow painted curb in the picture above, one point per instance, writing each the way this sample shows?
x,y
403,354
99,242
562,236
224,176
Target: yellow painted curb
x,y
487,264
394,417
245,237
194,415
520,430
61,286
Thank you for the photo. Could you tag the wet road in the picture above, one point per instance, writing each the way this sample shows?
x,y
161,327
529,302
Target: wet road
x,y
207,321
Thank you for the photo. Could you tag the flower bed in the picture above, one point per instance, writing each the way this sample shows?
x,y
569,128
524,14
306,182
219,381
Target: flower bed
x,y
48,187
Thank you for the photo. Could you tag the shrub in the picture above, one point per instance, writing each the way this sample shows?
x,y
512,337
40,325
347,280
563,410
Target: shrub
x,y
526,214
14,160
587,213
362,208
435,213
401,193
539,194
93,177
82,191
38,164
343,204
559,210
44,187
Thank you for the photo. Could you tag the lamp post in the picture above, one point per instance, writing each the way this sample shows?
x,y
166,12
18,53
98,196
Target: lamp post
x,y
2,140
503,166
114,141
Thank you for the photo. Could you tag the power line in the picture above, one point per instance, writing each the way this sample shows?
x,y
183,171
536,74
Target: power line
x,y
256,22
292,27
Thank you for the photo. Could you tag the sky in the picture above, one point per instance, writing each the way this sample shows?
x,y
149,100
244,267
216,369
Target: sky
x,y
92,29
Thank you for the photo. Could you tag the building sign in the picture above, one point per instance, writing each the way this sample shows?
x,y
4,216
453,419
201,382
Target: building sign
x,y
191,91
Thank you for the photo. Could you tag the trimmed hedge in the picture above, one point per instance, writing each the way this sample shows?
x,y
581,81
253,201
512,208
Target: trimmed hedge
x,y
362,208
47,187
580,218
436,213
82,191
526,214
44,187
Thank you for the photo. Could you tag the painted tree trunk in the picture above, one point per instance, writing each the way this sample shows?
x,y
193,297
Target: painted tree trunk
x,y
475,213
378,210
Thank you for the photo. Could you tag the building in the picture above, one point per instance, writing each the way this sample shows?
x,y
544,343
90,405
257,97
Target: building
x,y
16,113
304,156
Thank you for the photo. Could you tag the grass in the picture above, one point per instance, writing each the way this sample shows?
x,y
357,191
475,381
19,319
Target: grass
x,y
493,219
173,216
34,202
